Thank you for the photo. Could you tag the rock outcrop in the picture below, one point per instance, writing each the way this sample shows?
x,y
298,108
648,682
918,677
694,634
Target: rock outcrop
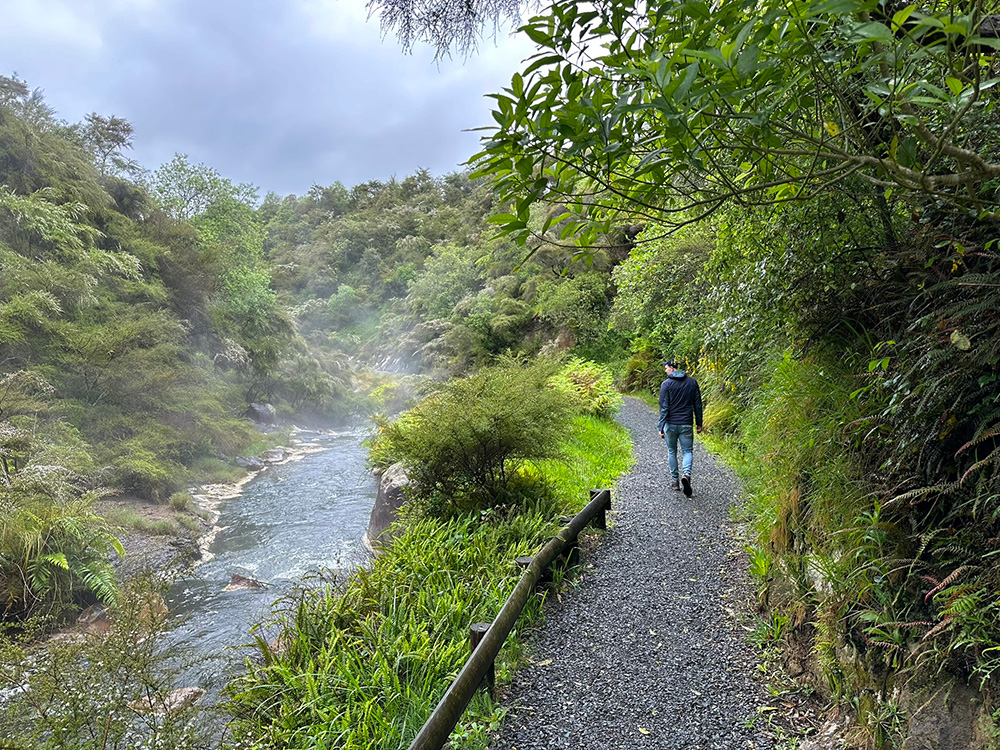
x,y
391,496
175,700
262,414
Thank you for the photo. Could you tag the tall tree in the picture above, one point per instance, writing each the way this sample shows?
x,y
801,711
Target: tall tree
x,y
185,190
107,138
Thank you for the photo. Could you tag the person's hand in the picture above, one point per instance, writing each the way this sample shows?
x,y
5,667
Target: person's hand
x,y
662,435
699,430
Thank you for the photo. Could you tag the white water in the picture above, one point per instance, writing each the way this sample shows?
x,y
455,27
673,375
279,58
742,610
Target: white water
x,y
293,520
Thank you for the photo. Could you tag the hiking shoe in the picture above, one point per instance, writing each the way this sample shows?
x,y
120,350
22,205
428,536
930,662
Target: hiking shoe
x,y
686,484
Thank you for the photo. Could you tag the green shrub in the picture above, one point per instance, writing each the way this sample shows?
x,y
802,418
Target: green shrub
x,y
590,386
643,371
89,692
465,444
52,547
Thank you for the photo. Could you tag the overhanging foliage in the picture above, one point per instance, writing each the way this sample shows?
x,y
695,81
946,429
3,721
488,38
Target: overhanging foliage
x,y
664,112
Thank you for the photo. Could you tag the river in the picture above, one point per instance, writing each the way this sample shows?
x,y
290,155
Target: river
x,y
292,520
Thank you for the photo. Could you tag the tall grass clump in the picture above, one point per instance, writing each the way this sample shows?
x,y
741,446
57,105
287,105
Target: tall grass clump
x,y
360,663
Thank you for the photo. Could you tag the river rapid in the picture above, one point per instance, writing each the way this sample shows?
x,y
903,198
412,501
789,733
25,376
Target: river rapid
x,y
292,520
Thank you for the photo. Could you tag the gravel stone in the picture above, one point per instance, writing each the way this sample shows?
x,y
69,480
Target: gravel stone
x,y
648,650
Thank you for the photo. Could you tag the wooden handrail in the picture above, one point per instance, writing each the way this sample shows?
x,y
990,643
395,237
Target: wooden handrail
x,y
445,716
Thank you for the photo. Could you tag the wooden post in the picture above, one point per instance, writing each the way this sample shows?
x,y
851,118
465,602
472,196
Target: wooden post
x,y
601,519
544,579
477,631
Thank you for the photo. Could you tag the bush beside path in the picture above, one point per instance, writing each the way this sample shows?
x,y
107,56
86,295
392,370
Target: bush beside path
x,y
649,651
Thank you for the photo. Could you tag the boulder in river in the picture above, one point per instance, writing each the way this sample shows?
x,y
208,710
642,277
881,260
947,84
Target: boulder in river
x,y
279,645
262,414
391,496
175,700
242,583
250,462
94,620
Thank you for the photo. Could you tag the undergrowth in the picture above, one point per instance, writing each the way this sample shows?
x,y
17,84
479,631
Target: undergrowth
x,y
361,662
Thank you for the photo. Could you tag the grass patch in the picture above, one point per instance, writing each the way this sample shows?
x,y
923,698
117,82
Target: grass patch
x,y
215,471
181,501
191,523
651,398
597,452
365,661
130,520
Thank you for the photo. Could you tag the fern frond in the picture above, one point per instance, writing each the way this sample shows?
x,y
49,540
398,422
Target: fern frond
x,y
948,580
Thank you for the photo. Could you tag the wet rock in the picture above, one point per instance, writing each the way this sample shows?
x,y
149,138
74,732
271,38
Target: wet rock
x,y
243,583
262,414
175,700
943,717
250,462
273,456
391,496
94,620
279,645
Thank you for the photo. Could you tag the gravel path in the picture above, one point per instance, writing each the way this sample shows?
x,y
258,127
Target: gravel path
x,y
647,651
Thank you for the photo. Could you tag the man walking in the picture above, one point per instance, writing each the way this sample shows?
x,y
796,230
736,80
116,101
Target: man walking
x,y
680,403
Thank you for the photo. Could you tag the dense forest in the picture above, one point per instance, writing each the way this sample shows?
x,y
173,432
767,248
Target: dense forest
x,y
144,312
801,206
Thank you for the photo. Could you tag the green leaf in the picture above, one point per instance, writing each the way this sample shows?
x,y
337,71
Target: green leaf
x,y
538,36
872,31
58,559
741,38
954,85
539,62
906,153
501,218
746,63
836,7
899,17
985,41
690,74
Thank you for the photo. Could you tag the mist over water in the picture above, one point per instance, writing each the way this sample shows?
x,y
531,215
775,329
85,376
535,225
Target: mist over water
x,y
293,520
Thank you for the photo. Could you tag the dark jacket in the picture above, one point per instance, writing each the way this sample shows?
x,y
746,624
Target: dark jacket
x,y
680,400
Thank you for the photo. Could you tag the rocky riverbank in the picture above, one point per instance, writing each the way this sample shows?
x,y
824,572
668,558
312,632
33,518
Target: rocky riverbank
x,y
169,539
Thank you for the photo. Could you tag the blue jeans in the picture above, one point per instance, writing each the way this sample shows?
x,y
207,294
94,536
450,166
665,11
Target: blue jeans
x,y
683,434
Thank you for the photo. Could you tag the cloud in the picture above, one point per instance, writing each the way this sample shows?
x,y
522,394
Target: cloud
x,y
25,22
283,95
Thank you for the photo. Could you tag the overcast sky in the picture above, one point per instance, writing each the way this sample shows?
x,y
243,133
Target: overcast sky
x,y
281,93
